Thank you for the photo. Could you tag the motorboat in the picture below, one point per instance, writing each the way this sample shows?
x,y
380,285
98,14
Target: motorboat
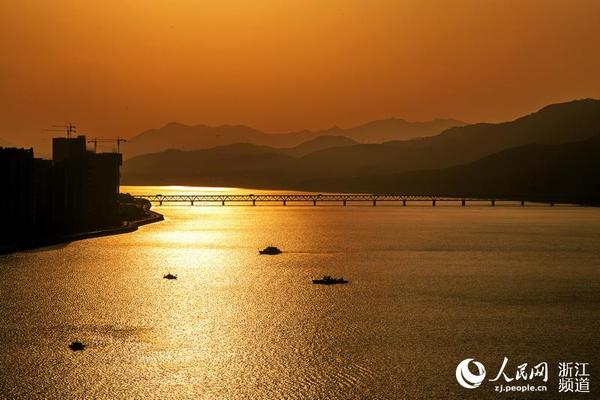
x,y
77,346
328,280
271,251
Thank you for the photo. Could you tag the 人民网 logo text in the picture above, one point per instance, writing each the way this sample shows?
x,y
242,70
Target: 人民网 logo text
x,y
573,376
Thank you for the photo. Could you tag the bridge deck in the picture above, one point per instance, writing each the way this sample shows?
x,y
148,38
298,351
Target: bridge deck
x,y
283,199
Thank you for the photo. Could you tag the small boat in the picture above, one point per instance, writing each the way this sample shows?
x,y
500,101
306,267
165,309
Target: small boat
x,y
271,251
170,276
77,346
328,280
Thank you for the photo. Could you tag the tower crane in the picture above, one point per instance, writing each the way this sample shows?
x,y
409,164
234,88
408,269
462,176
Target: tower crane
x,y
118,141
70,129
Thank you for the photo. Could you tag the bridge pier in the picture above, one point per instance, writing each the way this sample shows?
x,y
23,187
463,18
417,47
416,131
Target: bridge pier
x,y
253,202
464,202
284,202
223,202
552,204
344,203
374,203
493,203
522,203
192,203
160,202
433,203
314,202
404,202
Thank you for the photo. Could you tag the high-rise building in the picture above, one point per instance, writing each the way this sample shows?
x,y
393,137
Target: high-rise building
x,y
86,183
77,189
104,180
16,181
43,184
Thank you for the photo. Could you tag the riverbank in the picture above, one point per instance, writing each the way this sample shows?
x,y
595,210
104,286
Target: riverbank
x,y
149,217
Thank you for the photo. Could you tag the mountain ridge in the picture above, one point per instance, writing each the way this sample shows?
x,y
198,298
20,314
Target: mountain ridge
x,y
555,172
264,166
554,124
174,135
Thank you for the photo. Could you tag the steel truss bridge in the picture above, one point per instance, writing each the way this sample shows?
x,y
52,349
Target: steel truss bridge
x,y
341,199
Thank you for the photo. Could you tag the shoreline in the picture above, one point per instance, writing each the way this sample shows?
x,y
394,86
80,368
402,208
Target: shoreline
x,y
128,227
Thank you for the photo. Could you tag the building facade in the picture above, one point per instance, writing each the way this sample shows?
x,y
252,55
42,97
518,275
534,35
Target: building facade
x,y
17,198
77,189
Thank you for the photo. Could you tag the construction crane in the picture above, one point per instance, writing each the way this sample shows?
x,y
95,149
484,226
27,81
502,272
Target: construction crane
x,y
118,141
70,129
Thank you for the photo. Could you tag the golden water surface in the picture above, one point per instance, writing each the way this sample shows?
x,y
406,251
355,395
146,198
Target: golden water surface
x,y
428,288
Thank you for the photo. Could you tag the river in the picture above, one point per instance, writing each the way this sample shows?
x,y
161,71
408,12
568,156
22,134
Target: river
x,y
429,287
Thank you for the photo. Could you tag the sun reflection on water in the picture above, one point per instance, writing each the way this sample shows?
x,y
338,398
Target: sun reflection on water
x,y
236,324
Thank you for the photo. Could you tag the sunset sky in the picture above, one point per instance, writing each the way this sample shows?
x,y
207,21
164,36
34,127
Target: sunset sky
x,y
118,67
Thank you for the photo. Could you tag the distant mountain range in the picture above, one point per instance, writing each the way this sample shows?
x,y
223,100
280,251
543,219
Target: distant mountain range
x,y
554,124
567,172
182,137
333,164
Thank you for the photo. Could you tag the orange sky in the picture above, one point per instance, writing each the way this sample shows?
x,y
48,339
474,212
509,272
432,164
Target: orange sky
x,y
117,67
